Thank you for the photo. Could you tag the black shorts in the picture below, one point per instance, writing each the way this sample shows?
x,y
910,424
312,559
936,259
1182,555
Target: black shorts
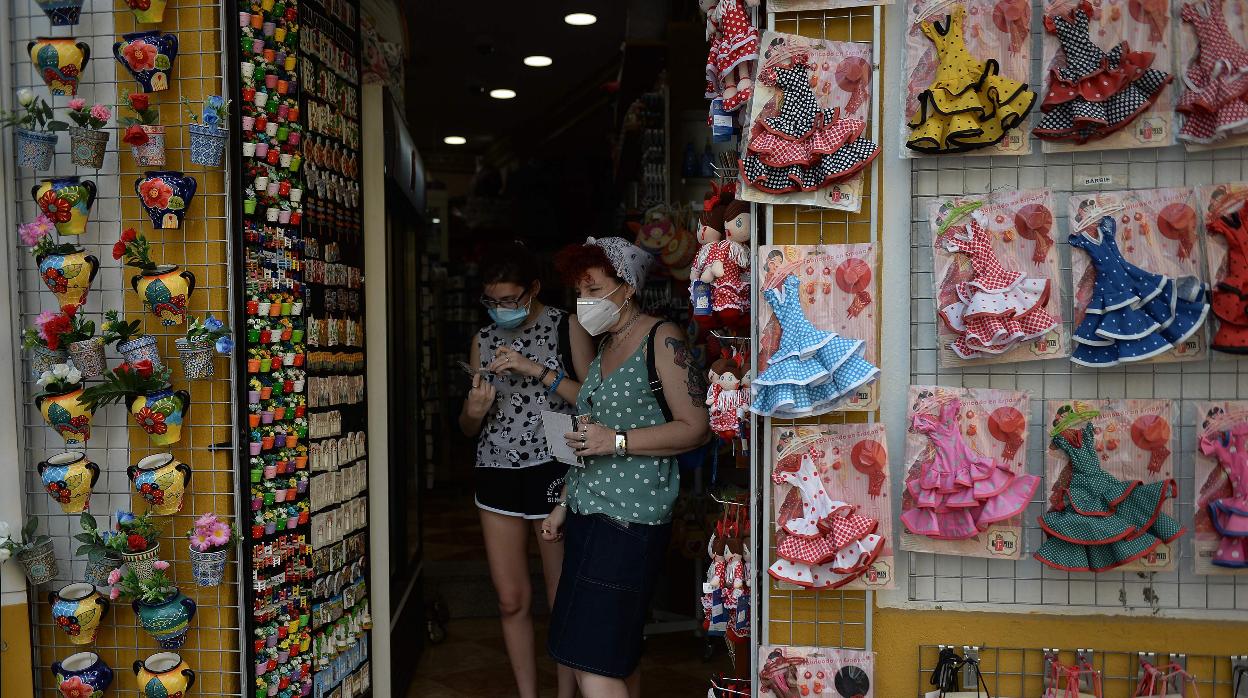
x,y
529,493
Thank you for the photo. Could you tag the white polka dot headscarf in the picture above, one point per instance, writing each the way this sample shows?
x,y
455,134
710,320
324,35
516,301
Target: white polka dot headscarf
x,y
629,261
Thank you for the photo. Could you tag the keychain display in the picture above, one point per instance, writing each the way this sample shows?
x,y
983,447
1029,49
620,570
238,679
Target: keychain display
x,y
967,485
834,521
1170,681
995,280
1076,680
1137,277
798,672
733,52
806,142
1110,486
1226,257
1221,516
1214,62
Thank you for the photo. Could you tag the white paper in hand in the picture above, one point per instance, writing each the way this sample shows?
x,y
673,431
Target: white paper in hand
x,y
554,426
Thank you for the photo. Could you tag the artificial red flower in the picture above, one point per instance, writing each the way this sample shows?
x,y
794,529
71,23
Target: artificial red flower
x,y
119,249
143,368
55,207
121,368
129,235
70,309
136,543
138,101
151,421
53,329
135,135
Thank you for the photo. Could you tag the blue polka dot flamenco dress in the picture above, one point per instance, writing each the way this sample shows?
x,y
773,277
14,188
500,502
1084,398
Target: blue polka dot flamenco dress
x,y
1133,314
812,370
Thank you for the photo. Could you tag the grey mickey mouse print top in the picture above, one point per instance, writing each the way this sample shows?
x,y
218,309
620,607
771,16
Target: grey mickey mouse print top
x,y
512,436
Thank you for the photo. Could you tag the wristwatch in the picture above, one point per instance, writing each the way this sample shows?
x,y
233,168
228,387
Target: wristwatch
x,y
621,443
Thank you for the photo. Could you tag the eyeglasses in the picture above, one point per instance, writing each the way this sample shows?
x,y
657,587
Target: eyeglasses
x,y
508,303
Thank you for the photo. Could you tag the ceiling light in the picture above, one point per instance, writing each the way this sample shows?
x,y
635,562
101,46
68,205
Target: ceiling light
x,y
454,140
437,221
502,93
537,61
580,19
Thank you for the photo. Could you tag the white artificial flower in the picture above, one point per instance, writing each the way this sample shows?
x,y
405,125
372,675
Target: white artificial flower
x,y
61,371
74,377
4,554
44,379
25,97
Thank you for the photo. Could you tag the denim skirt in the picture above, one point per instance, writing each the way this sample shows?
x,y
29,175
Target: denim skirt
x,y
609,572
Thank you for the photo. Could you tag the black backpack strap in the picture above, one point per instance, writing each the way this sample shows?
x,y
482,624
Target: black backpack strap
x,y
652,373
565,347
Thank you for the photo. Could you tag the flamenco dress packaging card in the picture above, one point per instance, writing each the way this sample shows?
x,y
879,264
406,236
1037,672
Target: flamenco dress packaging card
x,y
801,672
808,141
1137,277
832,505
996,279
818,351
1221,518
1107,78
1110,486
966,73
967,485
1213,62
1226,259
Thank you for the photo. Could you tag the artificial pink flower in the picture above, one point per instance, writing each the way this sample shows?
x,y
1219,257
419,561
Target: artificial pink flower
x,y
199,542
161,565
101,112
114,594
44,318
206,520
220,534
140,55
114,576
42,226
77,103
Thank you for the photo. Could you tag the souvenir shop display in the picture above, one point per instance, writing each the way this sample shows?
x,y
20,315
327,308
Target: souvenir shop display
x,y
733,52
1106,76
60,62
69,477
1213,61
726,592
833,517
1110,486
66,201
728,395
797,672
1137,277
148,57
1226,258
719,278
664,234
995,278
1220,521
806,142
966,68
82,673
967,484
818,350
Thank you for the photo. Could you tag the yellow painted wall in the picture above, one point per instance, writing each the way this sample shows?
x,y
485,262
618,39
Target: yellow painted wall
x,y
15,661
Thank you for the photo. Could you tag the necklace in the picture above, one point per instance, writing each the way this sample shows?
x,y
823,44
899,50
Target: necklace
x,y
623,331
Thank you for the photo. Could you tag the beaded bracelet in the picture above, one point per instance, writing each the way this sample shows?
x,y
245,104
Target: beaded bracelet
x,y
554,386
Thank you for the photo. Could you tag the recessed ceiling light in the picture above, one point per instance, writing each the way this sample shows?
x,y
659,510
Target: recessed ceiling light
x,y
580,19
454,140
437,221
537,61
502,93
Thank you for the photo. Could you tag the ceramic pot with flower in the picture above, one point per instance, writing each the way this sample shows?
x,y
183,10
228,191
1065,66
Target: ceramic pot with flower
x,y
77,610
165,291
60,62
43,359
142,563
147,11
141,349
61,13
82,675
166,620
163,675
88,356
162,481
67,417
161,414
69,477
148,56
68,276
66,201
165,195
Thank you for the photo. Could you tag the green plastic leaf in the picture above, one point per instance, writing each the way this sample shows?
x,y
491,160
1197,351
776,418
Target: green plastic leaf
x,y
162,62
176,203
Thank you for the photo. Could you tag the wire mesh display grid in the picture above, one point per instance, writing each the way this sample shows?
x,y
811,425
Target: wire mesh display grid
x,y
201,247
1026,584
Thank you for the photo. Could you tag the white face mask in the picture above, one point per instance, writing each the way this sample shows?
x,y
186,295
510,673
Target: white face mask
x,y
597,314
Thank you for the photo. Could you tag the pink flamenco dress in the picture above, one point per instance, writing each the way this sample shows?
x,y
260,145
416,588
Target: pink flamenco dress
x,y
959,493
1215,103
999,307
1229,515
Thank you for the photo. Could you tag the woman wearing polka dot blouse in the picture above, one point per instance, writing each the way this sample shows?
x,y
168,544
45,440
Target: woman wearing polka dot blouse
x,y
617,510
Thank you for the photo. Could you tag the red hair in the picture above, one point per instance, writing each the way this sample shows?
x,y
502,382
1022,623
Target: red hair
x,y
574,263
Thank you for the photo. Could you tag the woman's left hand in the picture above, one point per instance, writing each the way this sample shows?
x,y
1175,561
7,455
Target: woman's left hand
x,y
508,361
594,440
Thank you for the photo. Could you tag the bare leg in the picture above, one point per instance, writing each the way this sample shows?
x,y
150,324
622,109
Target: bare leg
x,y
595,686
552,565
506,548
634,684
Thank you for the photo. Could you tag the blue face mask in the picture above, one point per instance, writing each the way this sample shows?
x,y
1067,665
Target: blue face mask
x,y
509,318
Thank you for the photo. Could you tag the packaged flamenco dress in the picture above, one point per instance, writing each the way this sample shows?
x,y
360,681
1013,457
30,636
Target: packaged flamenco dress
x,y
1101,522
998,308
960,493
1229,515
812,369
822,543
1230,296
1096,93
1215,102
803,148
969,105
1133,314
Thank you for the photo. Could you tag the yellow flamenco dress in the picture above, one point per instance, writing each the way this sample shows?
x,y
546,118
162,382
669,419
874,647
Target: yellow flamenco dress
x,y
969,105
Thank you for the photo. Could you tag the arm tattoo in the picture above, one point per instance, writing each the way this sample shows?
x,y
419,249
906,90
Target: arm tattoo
x,y
696,382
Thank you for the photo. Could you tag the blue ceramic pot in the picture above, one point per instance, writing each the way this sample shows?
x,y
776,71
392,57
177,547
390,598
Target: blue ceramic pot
x,y
62,13
80,672
207,144
165,195
149,58
166,620
36,148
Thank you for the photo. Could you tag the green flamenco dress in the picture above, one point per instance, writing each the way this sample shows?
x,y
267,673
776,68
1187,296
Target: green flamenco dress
x,y
1102,522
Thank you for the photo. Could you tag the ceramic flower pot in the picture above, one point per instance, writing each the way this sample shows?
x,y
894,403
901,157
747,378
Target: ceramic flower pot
x,y
87,146
196,358
166,620
207,144
39,563
161,413
88,357
141,349
98,570
68,477
165,292
151,153
78,609
59,61
67,201
43,359
208,568
68,417
141,563
35,148
162,481
164,674
68,276
61,13
148,56
82,675
165,195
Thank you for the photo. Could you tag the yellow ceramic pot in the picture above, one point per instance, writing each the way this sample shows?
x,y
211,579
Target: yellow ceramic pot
x,y
67,201
68,477
162,675
162,481
77,610
68,276
165,292
63,412
161,413
59,62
